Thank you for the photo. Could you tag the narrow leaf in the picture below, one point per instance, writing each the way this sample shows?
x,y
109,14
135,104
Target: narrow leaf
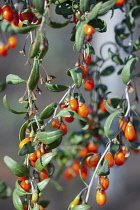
x,y
55,88
79,36
76,74
3,186
39,5
134,145
6,105
25,29
13,79
54,144
53,24
106,6
94,11
82,207
17,201
84,5
26,149
115,57
107,71
108,122
34,76
48,111
15,167
42,185
44,203
127,70
49,137
44,160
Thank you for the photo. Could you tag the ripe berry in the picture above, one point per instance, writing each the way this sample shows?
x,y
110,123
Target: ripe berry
x,y
84,71
94,159
12,42
3,49
92,147
82,110
89,83
68,174
120,2
104,182
55,123
75,167
122,124
43,175
39,152
130,132
83,152
22,178
119,158
33,157
88,60
73,104
63,128
110,159
25,185
69,119
100,197
7,12
102,106
84,172
26,16
89,30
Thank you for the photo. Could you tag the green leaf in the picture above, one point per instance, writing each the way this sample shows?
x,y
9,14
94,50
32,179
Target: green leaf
x,y
2,86
64,9
7,193
82,207
3,186
76,74
24,29
102,87
49,137
6,105
19,190
136,45
108,107
54,144
26,149
107,71
44,203
15,167
13,79
99,25
68,113
106,6
127,70
42,185
134,145
34,76
48,111
39,5
115,102
5,26
53,24
108,122
79,36
22,131
44,43
44,160
55,87
17,201
94,11
35,45
104,170
84,5
115,57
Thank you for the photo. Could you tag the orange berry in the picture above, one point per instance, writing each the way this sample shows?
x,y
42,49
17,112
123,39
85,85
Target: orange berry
x,y
25,185
84,172
3,49
73,104
119,158
100,197
7,12
130,132
84,71
75,167
82,110
88,60
89,83
92,147
110,159
55,123
32,157
104,182
102,106
89,30
43,175
122,124
12,42
22,178
39,152
63,128
68,174
120,2
83,152
94,159
69,119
